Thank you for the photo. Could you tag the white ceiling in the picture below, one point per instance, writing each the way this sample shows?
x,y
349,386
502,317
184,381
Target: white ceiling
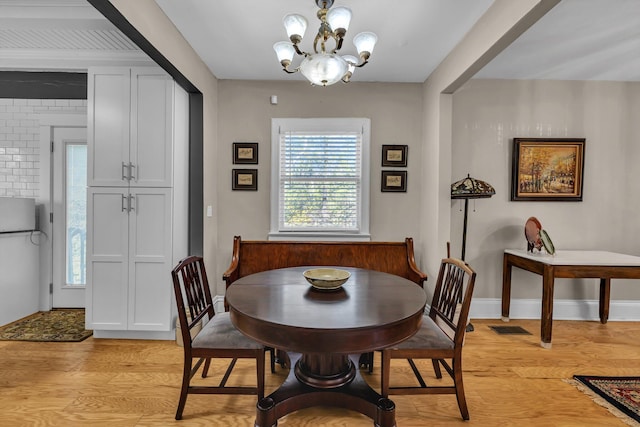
x,y
235,37
577,39
61,35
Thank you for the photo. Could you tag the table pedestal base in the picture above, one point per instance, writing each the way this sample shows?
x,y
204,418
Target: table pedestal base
x,y
353,393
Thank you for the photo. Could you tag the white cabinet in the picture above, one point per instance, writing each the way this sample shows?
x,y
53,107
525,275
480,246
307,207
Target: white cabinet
x,y
130,127
137,200
130,248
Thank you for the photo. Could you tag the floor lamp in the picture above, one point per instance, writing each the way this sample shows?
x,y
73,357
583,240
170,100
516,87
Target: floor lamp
x,y
469,188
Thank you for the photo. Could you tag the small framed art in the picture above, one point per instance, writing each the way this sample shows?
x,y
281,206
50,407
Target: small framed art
x,y
245,179
394,155
245,153
394,181
547,169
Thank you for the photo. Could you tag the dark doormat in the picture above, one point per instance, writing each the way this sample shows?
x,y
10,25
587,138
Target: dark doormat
x,y
510,330
57,325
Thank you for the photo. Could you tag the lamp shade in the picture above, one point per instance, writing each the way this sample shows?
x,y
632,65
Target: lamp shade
x,y
284,50
365,42
323,69
295,25
339,18
471,188
352,61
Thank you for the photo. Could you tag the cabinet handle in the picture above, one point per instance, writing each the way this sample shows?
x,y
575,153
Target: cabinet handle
x,y
124,173
132,200
124,207
131,168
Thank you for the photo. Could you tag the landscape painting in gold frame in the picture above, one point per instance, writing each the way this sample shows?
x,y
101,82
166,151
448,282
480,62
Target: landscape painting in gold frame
x,y
547,169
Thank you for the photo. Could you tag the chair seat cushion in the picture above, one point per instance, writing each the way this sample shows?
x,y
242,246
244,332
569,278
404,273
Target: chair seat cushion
x,y
220,333
428,336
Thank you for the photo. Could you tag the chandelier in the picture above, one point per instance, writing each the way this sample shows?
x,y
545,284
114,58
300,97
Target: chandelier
x,y
324,67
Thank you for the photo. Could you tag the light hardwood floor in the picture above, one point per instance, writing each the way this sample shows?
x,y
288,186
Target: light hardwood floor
x,y
509,380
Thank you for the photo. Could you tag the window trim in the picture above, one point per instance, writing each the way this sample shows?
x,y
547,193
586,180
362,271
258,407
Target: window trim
x,y
280,125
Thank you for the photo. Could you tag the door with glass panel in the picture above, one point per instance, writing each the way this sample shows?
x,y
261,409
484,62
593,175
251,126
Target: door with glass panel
x,y
69,197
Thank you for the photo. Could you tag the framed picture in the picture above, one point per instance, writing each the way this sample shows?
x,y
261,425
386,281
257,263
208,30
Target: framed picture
x,y
394,155
547,169
394,181
245,153
245,179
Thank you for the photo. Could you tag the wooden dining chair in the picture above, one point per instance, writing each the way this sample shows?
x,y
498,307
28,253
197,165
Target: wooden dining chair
x,y
440,337
218,338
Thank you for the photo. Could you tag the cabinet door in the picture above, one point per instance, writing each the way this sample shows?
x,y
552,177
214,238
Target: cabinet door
x,y
108,106
151,128
107,258
150,288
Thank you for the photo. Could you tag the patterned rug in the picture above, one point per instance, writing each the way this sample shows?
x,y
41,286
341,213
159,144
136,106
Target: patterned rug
x,y
620,395
57,325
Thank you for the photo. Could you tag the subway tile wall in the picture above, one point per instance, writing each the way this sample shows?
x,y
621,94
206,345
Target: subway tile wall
x,y
20,141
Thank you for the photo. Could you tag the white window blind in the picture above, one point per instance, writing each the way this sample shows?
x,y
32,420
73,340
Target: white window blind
x,y
320,177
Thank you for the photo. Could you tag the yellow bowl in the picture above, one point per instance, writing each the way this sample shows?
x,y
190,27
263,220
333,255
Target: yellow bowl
x,y
326,278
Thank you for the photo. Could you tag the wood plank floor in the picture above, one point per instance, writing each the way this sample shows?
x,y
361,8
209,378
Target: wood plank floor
x,y
509,380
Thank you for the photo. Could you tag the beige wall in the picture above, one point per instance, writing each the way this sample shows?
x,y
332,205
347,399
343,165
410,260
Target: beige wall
x,y
147,17
503,22
245,114
487,115
441,129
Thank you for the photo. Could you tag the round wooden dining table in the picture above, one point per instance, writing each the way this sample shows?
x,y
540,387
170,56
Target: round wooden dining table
x,y
323,333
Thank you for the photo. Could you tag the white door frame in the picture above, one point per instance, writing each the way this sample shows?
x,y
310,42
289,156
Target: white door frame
x,y
44,205
63,295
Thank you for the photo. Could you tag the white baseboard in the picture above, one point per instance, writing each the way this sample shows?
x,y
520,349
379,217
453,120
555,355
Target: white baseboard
x,y
218,303
136,335
491,308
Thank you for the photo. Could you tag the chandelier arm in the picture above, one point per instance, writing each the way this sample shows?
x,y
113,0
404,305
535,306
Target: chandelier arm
x,y
315,43
338,40
298,51
285,67
364,56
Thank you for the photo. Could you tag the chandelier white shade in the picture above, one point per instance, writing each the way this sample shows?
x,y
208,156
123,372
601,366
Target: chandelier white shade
x,y
339,19
324,66
365,42
295,25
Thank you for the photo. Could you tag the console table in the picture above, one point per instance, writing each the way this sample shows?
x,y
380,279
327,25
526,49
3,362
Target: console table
x,y
567,264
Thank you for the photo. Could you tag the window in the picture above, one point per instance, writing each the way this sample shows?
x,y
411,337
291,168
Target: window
x,y
320,179
76,213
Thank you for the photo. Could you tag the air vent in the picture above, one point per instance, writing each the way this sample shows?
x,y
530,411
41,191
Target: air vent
x,y
65,39
510,330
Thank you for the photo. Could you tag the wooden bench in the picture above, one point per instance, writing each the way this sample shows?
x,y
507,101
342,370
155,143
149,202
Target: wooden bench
x,y
254,256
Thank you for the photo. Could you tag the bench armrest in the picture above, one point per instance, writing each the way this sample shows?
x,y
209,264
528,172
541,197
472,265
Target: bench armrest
x,y
417,275
231,275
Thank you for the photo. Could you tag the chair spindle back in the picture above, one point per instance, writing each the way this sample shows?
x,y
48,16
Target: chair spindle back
x,y
446,306
190,275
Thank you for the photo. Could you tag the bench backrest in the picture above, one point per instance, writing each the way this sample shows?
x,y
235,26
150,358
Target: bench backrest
x,y
390,257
